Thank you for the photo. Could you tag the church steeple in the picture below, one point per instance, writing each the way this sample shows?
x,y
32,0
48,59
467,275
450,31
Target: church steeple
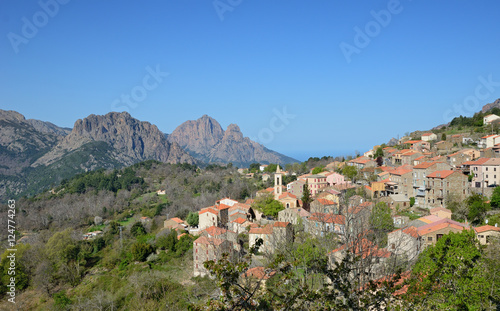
x,y
278,180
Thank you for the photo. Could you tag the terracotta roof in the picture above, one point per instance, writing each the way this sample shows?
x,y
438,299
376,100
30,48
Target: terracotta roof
x,y
239,220
488,136
411,231
208,241
440,174
181,235
400,171
287,194
208,210
479,161
486,228
325,202
214,231
259,273
428,134
365,248
281,224
430,219
222,206
438,226
267,229
424,165
177,220
328,218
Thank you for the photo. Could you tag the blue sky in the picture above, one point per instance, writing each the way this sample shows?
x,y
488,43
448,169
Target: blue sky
x,y
346,75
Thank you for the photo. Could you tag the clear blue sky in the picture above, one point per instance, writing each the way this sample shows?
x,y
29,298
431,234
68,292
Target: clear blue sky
x,y
242,61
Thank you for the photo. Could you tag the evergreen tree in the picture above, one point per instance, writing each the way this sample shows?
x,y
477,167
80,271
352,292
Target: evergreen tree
x,y
306,197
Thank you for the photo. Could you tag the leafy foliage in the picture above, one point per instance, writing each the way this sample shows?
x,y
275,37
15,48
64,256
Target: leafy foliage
x,y
137,229
450,275
193,218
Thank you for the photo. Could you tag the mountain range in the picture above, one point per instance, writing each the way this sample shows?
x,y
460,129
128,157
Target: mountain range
x,y
35,155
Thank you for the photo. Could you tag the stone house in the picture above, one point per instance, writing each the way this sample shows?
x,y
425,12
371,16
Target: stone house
x,y
221,233
324,206
296,188
419,176
431,233
490,118
175,224
208,217
320,224
273,236
485,234
429,136
372,260
315,183
441,212
293,215
289,200
443,145
486,172
443,183
205,249
405,242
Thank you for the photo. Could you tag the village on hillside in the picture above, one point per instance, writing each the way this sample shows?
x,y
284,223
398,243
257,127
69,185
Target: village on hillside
x,y
416,179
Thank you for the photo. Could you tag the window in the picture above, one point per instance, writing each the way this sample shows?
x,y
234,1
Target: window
x,y
429,239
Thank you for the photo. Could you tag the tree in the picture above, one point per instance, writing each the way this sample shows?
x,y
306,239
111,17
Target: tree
x,y
192,219
443,136
477,209
318,169
379,152
495,198
140,251
306,196
268,205
381,221
379,161
450,275
350,172
412,201
254,167
137,229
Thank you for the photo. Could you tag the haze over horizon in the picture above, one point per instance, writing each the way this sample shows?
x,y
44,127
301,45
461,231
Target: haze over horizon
x,y
302,79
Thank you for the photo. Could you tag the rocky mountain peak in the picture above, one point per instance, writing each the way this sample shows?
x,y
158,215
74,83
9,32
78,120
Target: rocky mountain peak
x,y
132,140
11,115
205,139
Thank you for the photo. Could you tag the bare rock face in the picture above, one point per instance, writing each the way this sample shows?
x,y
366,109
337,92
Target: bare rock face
x,y
208,142
49,128
488,107
20,143
130,139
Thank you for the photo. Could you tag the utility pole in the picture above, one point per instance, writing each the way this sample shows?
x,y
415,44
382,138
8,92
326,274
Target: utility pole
x,y
121,238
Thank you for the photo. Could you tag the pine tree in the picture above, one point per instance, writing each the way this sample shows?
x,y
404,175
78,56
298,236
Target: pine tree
x,y
306,197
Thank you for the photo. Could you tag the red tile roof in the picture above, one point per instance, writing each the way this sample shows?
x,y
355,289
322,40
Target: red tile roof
x,y
281,224
259,273
214,231
440,174
208,241
328,218
208,210
239,220
326,202
267,229
486,228
177,220
287,194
